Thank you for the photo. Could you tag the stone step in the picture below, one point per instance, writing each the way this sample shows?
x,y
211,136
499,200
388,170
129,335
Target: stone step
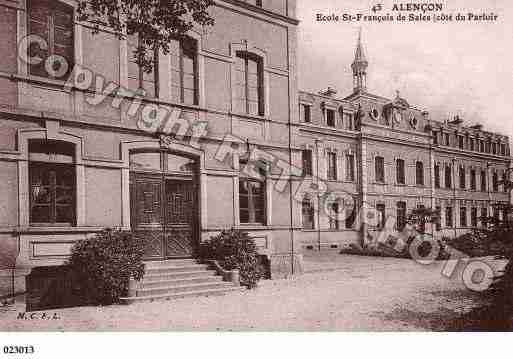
x,y
176,268
176,289
191,294
150,284
171,263
178,275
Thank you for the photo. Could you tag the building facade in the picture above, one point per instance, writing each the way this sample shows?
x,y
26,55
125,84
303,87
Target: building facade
x,y
392,157
211,139
100,143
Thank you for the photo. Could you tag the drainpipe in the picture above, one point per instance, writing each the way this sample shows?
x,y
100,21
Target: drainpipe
x,y
318,178
455,211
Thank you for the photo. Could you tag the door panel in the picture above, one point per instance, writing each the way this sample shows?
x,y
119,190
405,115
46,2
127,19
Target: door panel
x,y
146,199
164,212
180,218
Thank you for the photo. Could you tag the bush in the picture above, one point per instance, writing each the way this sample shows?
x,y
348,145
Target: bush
x,y
235,250
103,265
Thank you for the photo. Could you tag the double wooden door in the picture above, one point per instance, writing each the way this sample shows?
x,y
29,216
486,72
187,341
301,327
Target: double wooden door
x,y
164,211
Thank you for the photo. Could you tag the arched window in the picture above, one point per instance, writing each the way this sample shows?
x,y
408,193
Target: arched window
x,y
419,171
52,182
249,83
307,213
51,21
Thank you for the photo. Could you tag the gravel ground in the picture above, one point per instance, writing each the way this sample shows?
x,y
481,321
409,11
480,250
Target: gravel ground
x,y
351,294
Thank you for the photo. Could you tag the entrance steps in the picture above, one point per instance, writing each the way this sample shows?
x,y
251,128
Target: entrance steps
x,y
173,279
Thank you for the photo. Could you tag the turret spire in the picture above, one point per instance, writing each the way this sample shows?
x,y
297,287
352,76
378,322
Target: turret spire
x,y
359,66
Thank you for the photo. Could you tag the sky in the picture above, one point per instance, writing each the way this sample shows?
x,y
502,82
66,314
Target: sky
x,y
449,69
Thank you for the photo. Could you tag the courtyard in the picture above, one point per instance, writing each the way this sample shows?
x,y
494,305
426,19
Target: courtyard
x,y
337,293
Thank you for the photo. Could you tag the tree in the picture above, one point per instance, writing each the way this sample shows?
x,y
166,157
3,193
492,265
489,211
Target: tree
x,y
156,22
421,216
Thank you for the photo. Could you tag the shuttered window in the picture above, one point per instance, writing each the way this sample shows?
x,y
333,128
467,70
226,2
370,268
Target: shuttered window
x,y
249,84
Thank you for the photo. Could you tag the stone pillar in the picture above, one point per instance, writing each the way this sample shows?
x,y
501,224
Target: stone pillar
x,y
362,178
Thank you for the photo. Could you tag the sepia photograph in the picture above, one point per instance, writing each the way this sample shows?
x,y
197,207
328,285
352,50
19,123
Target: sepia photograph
x,y
278,166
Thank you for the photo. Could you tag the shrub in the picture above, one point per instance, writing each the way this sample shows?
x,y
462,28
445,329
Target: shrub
x,y
235,250
103,265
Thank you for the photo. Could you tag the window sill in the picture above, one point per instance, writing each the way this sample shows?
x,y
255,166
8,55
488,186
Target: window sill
x,y
249,116
59,229
253,226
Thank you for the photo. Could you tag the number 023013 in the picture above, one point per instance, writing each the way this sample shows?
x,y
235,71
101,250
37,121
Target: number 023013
x,y
19,349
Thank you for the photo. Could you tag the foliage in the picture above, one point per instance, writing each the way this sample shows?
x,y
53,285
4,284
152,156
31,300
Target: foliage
x,y
419,217
235,250
156,22
103,265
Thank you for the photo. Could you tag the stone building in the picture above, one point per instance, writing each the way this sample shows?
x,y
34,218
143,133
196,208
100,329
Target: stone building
x,y
393,157
74,161
88,141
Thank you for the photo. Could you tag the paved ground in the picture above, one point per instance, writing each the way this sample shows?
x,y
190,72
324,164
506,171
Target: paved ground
x,y
362,294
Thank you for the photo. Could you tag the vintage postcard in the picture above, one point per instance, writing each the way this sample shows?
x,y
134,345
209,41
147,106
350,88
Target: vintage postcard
x,y
249,166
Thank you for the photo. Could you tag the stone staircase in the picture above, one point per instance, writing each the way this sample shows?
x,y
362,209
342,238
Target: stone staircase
x,y
175,279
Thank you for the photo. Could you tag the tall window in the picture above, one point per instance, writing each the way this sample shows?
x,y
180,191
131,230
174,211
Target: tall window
x,y
332,166
307,113
381,211
448,176
308,212
330,118
448,217
419,170
463,216
504,181
473,179
53,22
401,215
52,183
437,176
307,162
484,214
483,181
472,144
438,222
379,168
435,138
400,175
481,146
463,181
334,216
473,217
495,182
350,215
447,139
461,143
503,149
252,201
249,84
350,168
137,77
184,71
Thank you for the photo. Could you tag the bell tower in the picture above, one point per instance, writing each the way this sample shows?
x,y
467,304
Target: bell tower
x,y
359,67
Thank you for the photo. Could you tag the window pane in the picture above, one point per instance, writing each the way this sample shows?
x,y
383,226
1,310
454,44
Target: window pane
x,y
145,161
64,214
180,164
40,214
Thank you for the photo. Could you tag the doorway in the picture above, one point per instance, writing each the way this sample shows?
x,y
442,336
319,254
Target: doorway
x,y
164,210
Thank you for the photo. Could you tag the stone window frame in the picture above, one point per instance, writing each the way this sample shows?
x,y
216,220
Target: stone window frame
x,y
262,54
51,132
